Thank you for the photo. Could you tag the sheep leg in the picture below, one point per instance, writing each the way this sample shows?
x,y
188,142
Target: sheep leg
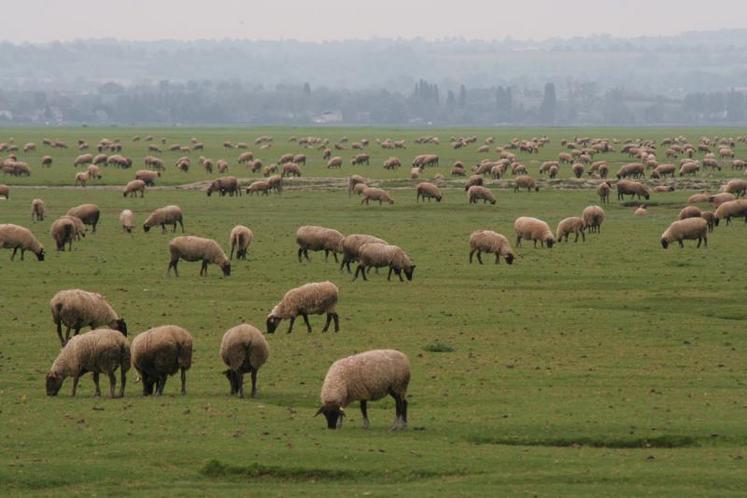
x,y
184,381
203,270
172,264
334,255
292,321
233,246
254,383
112,384
326,324
518,241
574,240
12,256
306,254
96,383
389,276
360,270
59,333
682,244
399,274
160,384
479,257
122,379
471,253
306,321
300,253
364,413
583,236
75,384
326,255
497,258
397,411
163,227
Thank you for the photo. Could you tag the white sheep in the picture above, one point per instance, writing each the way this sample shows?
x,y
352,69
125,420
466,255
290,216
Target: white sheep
x,y
168,215
364,377
311,299
351,246
76,308
37,210
17,237
127,220
191,248
593,217
316,238
376,255
160,352
572,225
687,229
89,214
62,232
240,239
244,350
488,241
533,229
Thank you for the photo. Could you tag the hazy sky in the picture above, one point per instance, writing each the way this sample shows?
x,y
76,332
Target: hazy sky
x,y
47,20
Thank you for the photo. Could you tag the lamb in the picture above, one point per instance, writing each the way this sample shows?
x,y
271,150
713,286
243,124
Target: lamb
x,y
240,239
133,187
603,191
76,308
62,232
689,212
629,187
376,194
81,178
257,187
377,255
490,242
224,185
311,299
17,237
127,219
364,377
688,229
147,176
160,352
37,210
98,351
244,350
533,229
428,191
5,192
731,209
191,248
571,225
593,217
316,238
640,211
351,248
168,215
88,213
477,192
526,182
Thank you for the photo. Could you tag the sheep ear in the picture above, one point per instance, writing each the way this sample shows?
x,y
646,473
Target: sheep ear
x,y
320,410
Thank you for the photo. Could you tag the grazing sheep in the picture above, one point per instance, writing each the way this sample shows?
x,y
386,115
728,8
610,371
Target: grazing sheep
x,y
376,194
127,220
17,237
76,308
698,198
689,212
191,248
147,176
37,210
364,377
63,232
335,162
478,192
689,168
633,170
81,178
5,191
88,213
472,181
316,238
736,187
572,225
351,248
133,187
259,186
428,191
663,170
160,352
634,189
640,211
311,299
710,218
392,163
533,229
168,215
578,170
719,199
80,228
83,159
244,350
526,182
276,183
46,161
98,351
240,239
224,185
731,209
603,191
355,180
377,255
688,229
593,217
490,242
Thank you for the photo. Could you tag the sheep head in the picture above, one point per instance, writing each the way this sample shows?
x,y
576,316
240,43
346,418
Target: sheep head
x,y
226,267
40,255
409,271
54,383
272,323
334,415
121,325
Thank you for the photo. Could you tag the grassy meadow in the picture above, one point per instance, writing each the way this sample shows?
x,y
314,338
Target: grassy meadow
x,y
605,368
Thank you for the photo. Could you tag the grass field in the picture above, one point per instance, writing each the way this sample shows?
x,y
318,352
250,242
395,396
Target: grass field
x,y
606,368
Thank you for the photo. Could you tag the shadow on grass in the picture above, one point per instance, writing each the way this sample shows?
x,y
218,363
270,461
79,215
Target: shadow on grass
x,y
218,470
671,441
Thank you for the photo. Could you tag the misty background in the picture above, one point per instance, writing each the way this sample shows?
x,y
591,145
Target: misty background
x,y
694,78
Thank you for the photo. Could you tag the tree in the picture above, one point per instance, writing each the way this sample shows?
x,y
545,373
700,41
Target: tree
x,y
549,104
462,96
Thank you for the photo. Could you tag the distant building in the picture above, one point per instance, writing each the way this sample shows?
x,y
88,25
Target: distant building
x,y
328,117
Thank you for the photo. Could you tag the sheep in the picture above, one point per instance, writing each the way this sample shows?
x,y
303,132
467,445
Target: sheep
x,y
360,159
88,213
710,218
160,352
492,243
663,170
567,226
472,181
276,183
224,185
533,229
77,308
82,178
634,170
593,217
364,377
243,349
689,168
428,191
376,194
98,351
578,170
689,212
731,209
240,239
355,180
291,170
83,159
147,176
127,220
335,162
37,210
736,187
351,248
46,161
719,199
526,182
688,229
62,232
191,248
628,187
17,237
640,211
80,228
478,192
168,215
698,198
257,187
316,238
5,192
392,163
603,191
377,255
133,187
315,298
